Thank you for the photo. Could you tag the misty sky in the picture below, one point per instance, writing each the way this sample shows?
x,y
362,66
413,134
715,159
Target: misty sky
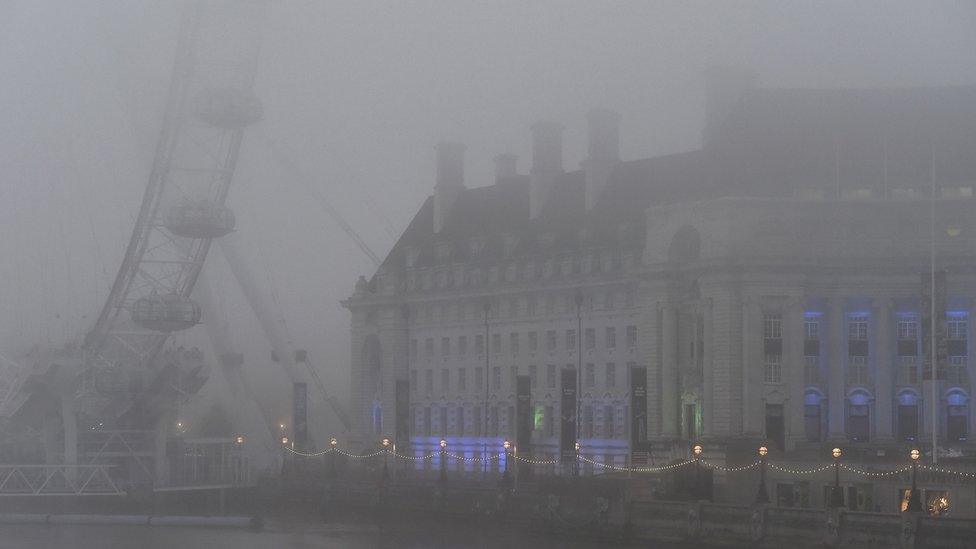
x,y
358,93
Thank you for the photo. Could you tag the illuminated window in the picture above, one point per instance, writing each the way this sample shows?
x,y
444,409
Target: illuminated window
x,y
907,329
957,328
857,328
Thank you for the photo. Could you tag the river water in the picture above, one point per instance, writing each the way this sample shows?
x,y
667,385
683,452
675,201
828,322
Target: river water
x,y
277,535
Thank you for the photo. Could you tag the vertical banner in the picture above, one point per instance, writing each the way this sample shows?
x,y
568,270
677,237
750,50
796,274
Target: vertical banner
x,y
402,435
299,415
939,337
638,409
567,432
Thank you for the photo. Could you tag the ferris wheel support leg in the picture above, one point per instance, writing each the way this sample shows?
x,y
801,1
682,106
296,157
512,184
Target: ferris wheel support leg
x,y
69,420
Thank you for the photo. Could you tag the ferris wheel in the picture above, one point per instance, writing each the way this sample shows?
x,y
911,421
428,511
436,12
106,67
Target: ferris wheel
x,y
210,103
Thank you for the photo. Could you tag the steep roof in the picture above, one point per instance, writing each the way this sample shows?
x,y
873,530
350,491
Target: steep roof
x,y
772,142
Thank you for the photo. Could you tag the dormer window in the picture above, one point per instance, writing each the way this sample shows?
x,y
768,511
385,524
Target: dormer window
x,y
476,245
442,251
510,242
546,240
411,254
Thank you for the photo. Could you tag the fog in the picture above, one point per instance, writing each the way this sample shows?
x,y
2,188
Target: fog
x,y
357,94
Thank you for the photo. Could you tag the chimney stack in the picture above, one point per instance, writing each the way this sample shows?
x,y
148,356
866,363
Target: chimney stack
x,y
450,180
547,163
724,86
505,166
604,152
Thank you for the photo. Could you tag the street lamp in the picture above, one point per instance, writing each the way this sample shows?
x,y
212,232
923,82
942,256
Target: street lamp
x,y
443,474
836,495
576,463
914,498
332,459
696,450
386,454
284,441
762,496
506,445
239,440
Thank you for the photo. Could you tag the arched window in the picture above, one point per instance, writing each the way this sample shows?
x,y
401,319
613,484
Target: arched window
x,y
858,417
957,421
812,416
908,416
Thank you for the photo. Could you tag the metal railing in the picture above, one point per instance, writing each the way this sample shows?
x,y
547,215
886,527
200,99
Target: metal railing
x,y
58,480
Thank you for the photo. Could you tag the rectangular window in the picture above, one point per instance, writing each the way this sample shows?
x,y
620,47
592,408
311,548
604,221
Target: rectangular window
x,y
513,342
533,341
512,308
496,343
429,347
956,370
462,379
907,370
631,336
429,381
590,374
413,348
479,378
443,421
811,370
957,328
772,326
811,330
611,374
907,329
532,306
427,421
445,380
548,419
570,340
857,328
445,346
608,422
611,337
857,370
533,375
413,381
496,378
551,340
514,377
478,420
493,421
773,369
908,422
462,345
590,338
956,427
551,376
459,428
479,344
588,421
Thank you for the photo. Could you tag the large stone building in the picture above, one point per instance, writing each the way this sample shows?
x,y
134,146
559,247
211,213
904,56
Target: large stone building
x,y
771,286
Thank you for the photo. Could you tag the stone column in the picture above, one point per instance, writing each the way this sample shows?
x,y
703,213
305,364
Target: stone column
x,y
752,369
669,372
883,369
708,369
836,367
793,367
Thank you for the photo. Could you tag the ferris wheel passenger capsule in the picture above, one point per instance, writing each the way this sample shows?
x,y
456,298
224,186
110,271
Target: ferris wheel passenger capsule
x,y
200,219
165,313
228,108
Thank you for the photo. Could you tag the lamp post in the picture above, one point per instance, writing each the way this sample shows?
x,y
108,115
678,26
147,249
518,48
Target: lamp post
x,y
332,459
386,454
762,496
484,460
576,467
696,450
914,498
579,373
443,474
836,495
506,445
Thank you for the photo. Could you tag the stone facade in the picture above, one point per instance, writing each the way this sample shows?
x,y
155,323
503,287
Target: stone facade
x,y
770,286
